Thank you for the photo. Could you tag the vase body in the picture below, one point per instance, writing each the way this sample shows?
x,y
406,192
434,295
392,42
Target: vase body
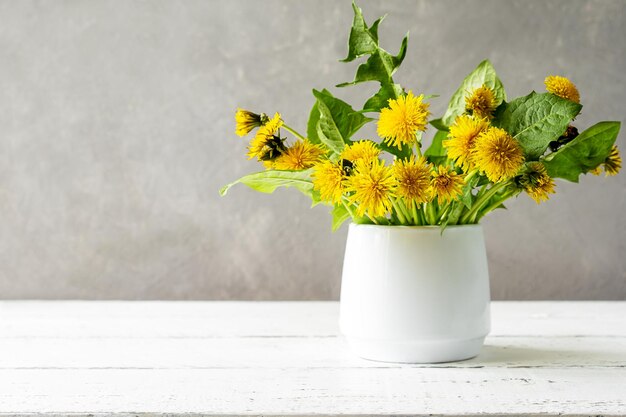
x,y
414,295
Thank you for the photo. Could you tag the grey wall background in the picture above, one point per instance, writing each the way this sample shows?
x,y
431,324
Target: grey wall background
x,y
116,131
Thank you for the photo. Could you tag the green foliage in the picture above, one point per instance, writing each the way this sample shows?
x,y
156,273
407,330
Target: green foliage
x,y
333,121
340,214
584,153
381,99
454,215
403,153
436,152
467,198
484,74
380,66
311,126
268,181
362,40
438,124
536,120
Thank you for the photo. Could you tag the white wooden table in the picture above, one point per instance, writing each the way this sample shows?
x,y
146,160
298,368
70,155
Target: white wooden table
x,y
286,358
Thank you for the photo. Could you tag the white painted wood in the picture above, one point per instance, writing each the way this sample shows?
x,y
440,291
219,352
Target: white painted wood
x,y
276,352
83,319
245,358
293,391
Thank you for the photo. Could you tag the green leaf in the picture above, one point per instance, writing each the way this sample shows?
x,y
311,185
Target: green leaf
x,y
468,198
404,153
316,198
536,120
362,40
436,152
483,74
340,214
438,124
311,127
454,214
337,121
348,120
380,66
268,181
584,153
380,100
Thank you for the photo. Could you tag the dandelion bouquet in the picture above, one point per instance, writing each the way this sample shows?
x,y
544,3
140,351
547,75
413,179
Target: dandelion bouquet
x,y
484,151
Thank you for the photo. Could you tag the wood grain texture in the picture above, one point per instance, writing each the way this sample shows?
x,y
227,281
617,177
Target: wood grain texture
x,y
286,358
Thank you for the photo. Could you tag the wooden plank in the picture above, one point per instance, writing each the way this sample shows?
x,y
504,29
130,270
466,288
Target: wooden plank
x,y
276,352
405,391
96,319
245,358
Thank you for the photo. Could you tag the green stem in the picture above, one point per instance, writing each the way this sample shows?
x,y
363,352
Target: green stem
x,y
347,206
431,213
398,210
470,215
482,191
294,132
418,149
495,204
444,211
383,220
405,211
470,175
422,214
416,217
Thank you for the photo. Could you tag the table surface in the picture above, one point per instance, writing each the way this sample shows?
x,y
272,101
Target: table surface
x,y
287,358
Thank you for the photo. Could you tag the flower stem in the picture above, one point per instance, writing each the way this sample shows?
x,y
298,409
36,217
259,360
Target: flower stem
x,y
416,216
399,213
422,214
471,215
431,213
444,211
418,149
347,206
293,132
383,220
496,204
470,175
405,211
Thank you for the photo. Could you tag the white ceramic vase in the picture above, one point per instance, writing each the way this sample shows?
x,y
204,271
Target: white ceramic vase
x,y
412,294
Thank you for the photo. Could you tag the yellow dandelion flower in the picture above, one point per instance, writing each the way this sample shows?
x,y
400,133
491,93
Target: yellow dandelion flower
x,y
462,136
537,183
328,179
372,185
562,87
302,155
446,184
613,162
266,145
413,179
400,122
481,102
597,170
497,154
245,121
362,150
